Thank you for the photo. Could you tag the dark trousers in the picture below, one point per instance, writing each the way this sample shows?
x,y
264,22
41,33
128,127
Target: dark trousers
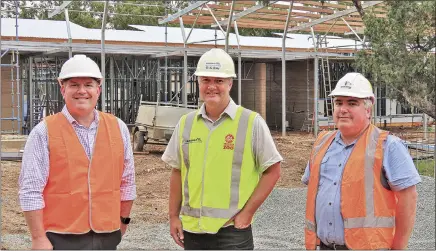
x,y
90,240
322,246
226,238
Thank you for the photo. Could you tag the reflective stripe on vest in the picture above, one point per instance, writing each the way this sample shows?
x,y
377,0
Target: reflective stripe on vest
x,y
370,220
236,170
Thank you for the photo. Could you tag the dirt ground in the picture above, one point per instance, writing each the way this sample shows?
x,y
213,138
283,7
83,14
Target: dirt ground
x,y
152,179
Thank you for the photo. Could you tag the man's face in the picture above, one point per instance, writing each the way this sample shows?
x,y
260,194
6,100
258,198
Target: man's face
x,y
215,91
350,114
80,94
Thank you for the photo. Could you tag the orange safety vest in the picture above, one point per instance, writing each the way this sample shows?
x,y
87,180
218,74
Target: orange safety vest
x,y
83,194
368,208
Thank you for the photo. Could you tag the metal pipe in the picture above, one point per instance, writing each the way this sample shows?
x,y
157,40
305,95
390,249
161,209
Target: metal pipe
x,y
425,127
214,18
315,86
204,41
285,31
185,66
112,79
6,51
70,40
103,58
31,94
351,29
239,66
229,27
193,25
166,57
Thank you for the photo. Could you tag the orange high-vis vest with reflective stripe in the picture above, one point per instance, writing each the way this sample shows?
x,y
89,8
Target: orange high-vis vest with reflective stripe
x,y
368,209
83,194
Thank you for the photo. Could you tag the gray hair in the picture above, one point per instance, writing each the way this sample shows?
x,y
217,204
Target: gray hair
x,y
367,103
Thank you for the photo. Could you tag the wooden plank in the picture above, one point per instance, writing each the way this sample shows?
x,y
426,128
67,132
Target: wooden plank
x,y
296,7
273,26
254,16
318,3
265,10
340,22
239,2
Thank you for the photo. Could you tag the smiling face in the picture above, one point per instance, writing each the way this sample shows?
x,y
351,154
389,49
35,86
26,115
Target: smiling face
x,y
215,91
80,95
351,115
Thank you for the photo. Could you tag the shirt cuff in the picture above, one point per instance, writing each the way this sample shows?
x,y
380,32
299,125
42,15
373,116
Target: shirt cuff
x,y
128,193
405,183
169,161
31,204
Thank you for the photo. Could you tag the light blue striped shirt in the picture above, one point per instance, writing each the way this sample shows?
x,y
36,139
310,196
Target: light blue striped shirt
x,y
400,173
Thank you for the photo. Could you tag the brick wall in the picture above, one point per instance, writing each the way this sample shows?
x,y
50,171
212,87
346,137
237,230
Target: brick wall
x,y
262,91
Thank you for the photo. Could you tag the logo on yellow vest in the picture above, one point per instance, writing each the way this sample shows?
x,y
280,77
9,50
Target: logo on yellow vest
x,y
228,144
189,141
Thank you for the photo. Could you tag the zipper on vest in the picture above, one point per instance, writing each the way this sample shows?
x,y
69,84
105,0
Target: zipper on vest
x,y
89,183
202,179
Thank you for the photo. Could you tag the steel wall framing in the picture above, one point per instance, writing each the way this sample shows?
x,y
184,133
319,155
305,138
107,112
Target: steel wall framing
x,y
155,71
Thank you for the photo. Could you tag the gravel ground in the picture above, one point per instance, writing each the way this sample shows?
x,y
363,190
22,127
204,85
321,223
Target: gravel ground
x,y
279,224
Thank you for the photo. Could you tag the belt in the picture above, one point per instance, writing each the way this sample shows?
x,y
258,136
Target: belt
x,y
333,246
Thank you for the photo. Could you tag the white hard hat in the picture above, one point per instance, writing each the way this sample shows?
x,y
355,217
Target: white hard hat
x,y
80,66
216,63
353,84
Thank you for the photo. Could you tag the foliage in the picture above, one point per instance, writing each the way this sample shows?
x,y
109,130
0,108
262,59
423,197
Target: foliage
x,y
402,52
425,167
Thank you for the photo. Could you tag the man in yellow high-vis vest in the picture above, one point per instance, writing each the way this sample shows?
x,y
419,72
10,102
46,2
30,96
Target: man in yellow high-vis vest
x,y
224,164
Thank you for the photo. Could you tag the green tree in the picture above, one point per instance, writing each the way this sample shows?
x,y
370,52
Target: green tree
x,y
401,52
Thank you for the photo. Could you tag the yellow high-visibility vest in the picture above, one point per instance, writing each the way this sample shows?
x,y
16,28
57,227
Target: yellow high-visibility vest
x,y
218,170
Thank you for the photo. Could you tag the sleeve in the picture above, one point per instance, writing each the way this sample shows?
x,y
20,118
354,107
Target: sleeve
x,y
306,175
398,164
128,184
34,169
263,145
171,156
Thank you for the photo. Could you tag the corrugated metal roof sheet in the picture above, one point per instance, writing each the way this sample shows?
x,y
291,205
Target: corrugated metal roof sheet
x,y
155,34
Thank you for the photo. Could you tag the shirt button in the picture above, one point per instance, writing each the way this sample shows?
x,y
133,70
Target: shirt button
x,y
330,224
334,183
340,164
330,203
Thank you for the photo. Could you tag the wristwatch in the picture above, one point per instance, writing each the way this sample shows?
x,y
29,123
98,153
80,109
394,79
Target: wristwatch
x,y
125,220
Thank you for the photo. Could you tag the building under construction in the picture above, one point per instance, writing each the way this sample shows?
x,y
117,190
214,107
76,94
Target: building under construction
x,y
286,78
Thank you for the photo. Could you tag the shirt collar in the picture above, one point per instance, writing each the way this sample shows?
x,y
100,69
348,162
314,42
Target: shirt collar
x,y
339,140
230,110
71,120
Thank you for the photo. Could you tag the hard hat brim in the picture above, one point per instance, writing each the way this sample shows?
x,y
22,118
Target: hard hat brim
x,y
214,74
80,75
347,94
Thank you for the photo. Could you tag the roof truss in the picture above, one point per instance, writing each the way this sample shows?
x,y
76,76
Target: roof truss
x,y
305,14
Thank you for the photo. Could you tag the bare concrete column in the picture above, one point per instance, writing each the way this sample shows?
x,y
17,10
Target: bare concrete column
x,y
260,89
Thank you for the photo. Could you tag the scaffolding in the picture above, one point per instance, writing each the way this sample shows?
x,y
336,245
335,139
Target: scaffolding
x,y
164,75
14,116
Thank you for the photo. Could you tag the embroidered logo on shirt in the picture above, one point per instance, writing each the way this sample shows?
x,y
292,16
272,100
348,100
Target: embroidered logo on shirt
x,y
228,144
189,141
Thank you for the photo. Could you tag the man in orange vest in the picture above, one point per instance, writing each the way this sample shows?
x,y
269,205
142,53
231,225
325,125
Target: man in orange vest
x,y
361,180
77,181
